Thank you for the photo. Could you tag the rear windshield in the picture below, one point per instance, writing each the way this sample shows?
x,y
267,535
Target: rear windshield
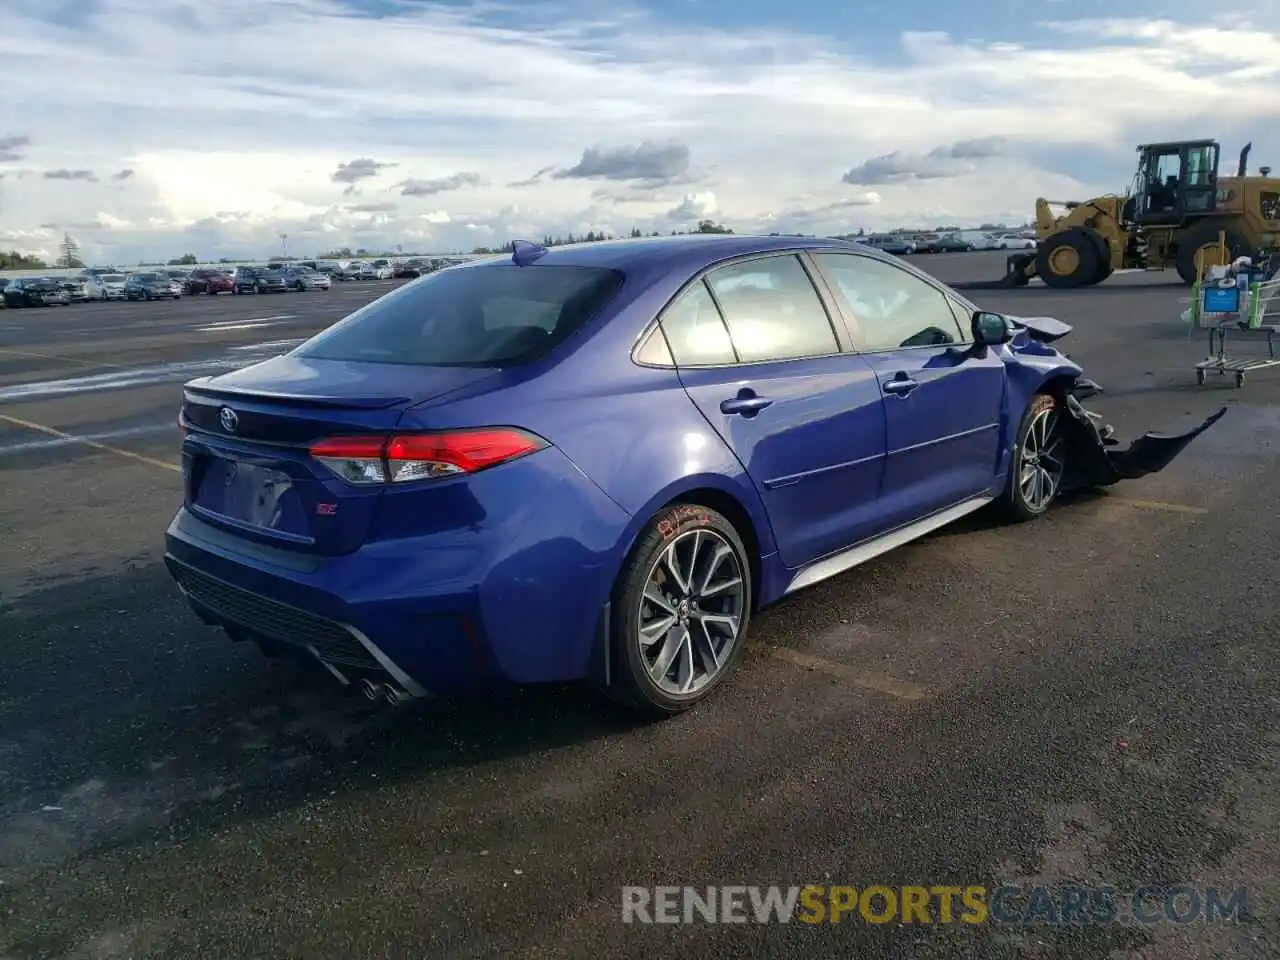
x,y
476,317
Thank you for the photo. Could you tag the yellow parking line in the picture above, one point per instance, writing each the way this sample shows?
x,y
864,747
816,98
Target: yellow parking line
x,y
1156,505
869,680
50,356
107,448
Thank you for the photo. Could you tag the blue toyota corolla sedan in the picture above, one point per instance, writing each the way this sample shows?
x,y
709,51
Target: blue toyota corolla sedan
x,y
595,462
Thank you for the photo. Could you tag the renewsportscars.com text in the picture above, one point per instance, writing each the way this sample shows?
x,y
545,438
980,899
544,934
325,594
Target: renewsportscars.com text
x,y
1066,905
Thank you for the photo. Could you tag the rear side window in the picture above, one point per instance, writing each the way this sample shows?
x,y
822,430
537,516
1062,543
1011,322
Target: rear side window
x,y
495,315
695,331
772,310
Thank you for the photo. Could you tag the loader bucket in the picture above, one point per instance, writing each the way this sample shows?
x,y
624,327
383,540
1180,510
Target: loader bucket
x,y
1017,274
1017,269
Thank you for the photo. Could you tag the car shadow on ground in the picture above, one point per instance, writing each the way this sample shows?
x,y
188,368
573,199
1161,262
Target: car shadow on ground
x,y
132,719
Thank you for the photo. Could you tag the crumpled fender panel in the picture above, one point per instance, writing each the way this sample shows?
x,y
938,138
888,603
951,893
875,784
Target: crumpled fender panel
x,y
1093,459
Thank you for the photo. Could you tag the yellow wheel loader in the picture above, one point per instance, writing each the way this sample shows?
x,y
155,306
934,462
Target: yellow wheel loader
x,y
1179,213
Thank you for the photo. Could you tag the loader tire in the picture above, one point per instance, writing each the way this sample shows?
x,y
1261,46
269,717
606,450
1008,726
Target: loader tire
x,y
1104,255
1206,235
1068,260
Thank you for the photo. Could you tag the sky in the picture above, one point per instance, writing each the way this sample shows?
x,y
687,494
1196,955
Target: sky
x,y
153,128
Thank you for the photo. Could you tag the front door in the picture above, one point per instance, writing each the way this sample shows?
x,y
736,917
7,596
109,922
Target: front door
x,y
758,353
942,403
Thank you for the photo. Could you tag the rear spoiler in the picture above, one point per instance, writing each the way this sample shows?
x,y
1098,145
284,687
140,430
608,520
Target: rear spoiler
x,y
198,388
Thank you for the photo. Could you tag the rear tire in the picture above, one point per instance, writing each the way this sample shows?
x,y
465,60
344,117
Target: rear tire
x,y
1037,463
680,611
1204,235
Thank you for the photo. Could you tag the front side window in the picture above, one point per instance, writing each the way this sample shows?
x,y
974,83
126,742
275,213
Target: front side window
x,y
772,310
494,315
893,309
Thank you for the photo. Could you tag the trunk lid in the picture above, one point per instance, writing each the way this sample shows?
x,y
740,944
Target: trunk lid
x,y
246,454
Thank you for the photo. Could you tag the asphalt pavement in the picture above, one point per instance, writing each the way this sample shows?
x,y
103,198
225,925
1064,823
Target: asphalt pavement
x,y
1087,699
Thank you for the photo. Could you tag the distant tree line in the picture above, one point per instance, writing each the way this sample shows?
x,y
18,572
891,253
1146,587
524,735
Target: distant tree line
x,y
13,260
593,236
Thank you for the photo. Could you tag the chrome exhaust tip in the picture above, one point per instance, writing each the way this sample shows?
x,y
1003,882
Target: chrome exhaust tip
x,y
370,689
394,696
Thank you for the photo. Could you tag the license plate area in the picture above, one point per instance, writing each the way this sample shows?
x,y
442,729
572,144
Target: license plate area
x,y
253,496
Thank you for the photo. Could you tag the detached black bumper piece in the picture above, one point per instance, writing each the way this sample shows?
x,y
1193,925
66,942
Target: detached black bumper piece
x,y
1094,459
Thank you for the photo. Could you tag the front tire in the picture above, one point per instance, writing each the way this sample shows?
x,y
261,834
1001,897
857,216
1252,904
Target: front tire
x,y
1038,461
1069,260
681,608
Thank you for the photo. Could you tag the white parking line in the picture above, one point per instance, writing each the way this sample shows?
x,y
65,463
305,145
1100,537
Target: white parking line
x,y
233,324
141,376
70,440
269,345
86,441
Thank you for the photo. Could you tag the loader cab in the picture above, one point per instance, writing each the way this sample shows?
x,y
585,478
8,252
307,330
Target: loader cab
x,y
1175,181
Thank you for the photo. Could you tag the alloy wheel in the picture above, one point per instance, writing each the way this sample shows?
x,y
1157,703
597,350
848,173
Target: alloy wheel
x,y
1041,460
690,616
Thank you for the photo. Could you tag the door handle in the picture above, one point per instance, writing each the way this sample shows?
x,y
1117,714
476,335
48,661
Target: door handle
x,y
747,403
900,385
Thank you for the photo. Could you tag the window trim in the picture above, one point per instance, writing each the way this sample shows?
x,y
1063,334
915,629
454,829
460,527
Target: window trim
x,y
855,329
845,345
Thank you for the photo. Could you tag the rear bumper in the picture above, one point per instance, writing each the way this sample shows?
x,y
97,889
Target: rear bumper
x,y
512,598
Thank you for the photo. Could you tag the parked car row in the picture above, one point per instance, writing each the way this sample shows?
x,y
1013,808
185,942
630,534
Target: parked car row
x,y
902,244
104,284
171,283
383,268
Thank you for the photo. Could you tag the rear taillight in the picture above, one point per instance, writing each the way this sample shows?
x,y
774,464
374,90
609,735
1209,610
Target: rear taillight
x,y
404,457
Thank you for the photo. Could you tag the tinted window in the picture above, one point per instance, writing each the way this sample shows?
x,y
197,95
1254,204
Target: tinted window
x,y
654,350
964,318
695,332
772,310
484,316
893,308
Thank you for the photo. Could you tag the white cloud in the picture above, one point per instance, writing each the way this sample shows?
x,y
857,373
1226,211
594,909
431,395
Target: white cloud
x,y
694,206
418,128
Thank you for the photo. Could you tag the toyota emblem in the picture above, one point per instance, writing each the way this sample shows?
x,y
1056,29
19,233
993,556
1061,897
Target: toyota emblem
x,y
227,417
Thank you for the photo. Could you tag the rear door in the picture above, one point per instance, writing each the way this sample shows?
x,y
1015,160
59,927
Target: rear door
x,y
942,404
757,351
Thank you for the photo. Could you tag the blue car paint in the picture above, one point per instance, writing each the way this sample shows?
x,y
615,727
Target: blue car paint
x,y
816,460
502,575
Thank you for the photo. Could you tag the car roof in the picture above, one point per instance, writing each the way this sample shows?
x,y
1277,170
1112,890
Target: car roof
x,y
687,252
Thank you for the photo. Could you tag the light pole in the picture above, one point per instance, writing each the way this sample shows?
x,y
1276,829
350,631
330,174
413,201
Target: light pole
x,y
284,249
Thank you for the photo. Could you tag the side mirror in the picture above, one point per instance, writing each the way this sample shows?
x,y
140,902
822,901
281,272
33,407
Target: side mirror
x,y
990,329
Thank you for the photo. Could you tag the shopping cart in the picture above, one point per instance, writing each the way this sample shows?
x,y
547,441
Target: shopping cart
x,y
1220,306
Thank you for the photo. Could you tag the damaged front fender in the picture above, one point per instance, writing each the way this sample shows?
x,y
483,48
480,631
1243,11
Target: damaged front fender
x,y
1093,457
